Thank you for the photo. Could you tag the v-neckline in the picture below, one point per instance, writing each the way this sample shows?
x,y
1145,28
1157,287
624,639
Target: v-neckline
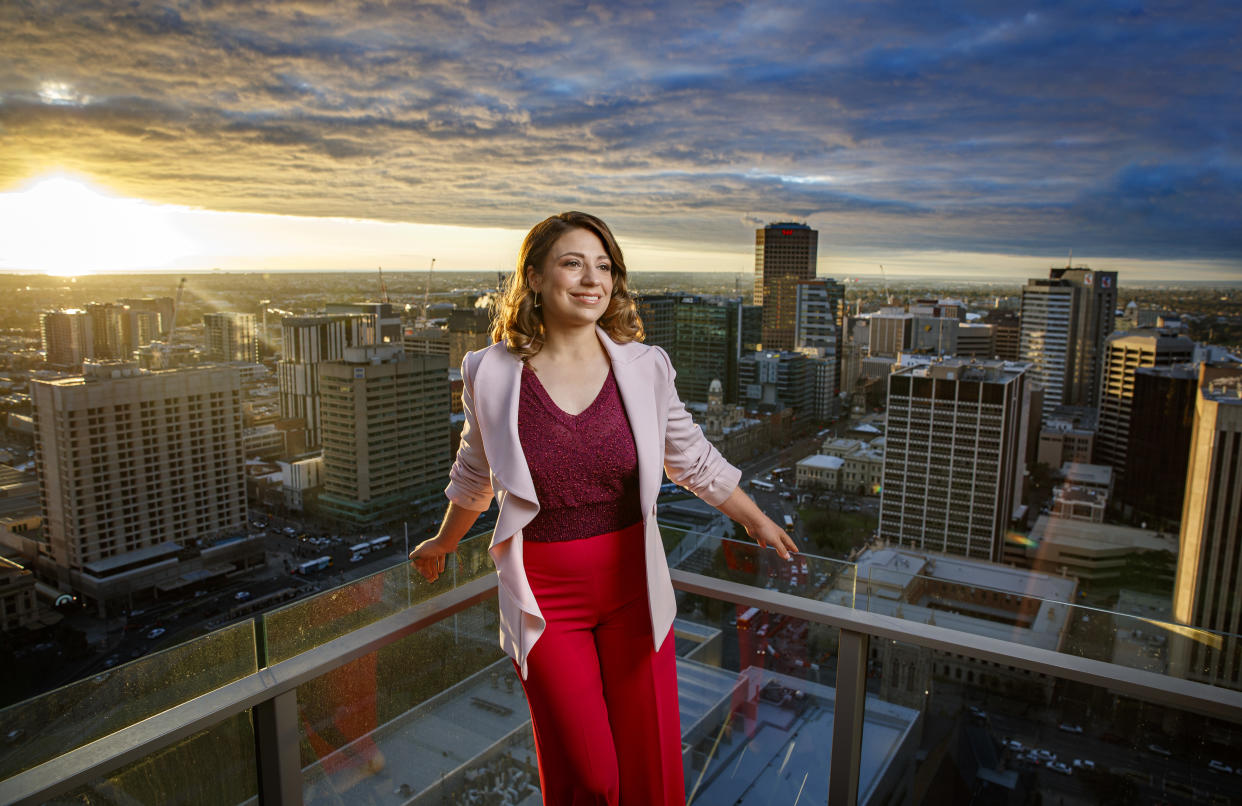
x,y
555,407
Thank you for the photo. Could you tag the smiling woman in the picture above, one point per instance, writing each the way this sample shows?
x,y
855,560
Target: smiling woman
x,y
63,226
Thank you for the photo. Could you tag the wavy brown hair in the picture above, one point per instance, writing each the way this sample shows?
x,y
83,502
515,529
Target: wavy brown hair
x,y
520,324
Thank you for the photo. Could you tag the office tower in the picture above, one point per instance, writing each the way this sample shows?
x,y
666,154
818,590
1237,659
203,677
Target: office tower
x,y
385,417
1006,334
68,337
1065,322
1162,414
784,254
1209,560
953,456
770,382
163,309
659,322
752,327
975,341
707,346
130,462
229,336
1124,353
387,321
819,308
430,340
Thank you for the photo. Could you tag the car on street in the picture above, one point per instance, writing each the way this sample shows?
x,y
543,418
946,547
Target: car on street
x,y
1084,764
1064,769
978,713
156,633
1160,751
1044,755
1219,766
241,596
1013,744
1069,728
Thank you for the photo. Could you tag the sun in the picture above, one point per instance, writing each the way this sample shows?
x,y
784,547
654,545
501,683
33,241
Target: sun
x,y
63,225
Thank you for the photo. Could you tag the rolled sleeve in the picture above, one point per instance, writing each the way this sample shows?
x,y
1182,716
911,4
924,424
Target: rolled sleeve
x,y
470,480
690,460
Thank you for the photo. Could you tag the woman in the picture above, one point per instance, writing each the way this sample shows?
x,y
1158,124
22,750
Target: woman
x,y
571,421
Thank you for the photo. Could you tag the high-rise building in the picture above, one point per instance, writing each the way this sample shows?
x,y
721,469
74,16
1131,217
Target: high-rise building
x,y
136,470
387,321
707,346
68,337
1209,560
1162,414
1006,334
772,381
469,329
162,307
308,341
138,329
230,336
385,418
784,254
975,340
1125,352
659,321
1066,320
106,328
953,456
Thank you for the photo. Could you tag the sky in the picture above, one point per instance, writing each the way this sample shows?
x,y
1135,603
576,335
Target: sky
x,y
972,139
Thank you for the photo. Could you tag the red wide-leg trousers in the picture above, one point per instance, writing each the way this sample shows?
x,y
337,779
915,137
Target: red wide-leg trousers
x,y
603,702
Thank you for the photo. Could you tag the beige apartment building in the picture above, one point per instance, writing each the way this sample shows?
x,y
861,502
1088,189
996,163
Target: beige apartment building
x,y
385,420
953,456
140,478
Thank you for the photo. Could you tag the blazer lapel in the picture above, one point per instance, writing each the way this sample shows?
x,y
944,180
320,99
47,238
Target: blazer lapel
x,y
500,379
638,391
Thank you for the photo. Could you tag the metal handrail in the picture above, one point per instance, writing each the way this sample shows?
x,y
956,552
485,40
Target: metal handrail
x,y
279,682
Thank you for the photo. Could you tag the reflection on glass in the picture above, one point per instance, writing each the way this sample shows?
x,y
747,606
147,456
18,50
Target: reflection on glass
x,y
214,766
69,717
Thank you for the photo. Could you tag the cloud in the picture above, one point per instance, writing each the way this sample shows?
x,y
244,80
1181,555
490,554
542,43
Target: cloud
x,y
959,125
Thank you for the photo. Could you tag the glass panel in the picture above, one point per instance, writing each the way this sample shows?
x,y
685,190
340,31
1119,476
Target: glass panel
x,y
308,623
1001,734
431,712
756,688
61,720
211,767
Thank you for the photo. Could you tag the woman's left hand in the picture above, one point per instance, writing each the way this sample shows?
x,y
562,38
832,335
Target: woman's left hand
x,y
766,533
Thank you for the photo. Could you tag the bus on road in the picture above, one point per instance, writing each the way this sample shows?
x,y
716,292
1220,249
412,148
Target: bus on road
x,y
360,548
380,542
788,522
311,566
759,484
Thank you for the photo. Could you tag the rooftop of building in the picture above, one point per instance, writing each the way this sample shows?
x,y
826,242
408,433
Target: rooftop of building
x,y
821,462
1097,536
952,368
1224,390
1185,371
1085,474
890,573
1072,418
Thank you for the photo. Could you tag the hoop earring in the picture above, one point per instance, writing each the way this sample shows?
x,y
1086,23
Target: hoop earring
x,y
537,302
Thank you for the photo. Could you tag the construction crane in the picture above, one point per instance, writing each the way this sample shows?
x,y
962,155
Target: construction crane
x,y
427,291
172,326
383,287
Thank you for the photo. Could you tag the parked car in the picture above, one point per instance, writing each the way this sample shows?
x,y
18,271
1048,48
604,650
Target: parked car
x,y
1064,769
241,596
1068,728
1013,744
1219,766
1160,751
156,633
1045,755
1084,764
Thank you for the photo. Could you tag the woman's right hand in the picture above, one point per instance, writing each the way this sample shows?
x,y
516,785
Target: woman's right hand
x,y
428,557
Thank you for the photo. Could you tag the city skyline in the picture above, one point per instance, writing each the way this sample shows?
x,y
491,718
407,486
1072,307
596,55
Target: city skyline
x,y
955,141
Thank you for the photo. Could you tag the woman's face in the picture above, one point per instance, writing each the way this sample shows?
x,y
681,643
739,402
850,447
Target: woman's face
x,y
575,282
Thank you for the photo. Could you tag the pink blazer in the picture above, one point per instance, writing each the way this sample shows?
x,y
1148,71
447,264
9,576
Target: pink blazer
x,y
490,461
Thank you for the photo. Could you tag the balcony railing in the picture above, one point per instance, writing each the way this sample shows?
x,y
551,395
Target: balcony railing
x,y
813,677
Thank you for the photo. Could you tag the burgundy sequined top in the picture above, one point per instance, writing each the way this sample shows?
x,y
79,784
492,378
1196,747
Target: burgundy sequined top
x,y
584,466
